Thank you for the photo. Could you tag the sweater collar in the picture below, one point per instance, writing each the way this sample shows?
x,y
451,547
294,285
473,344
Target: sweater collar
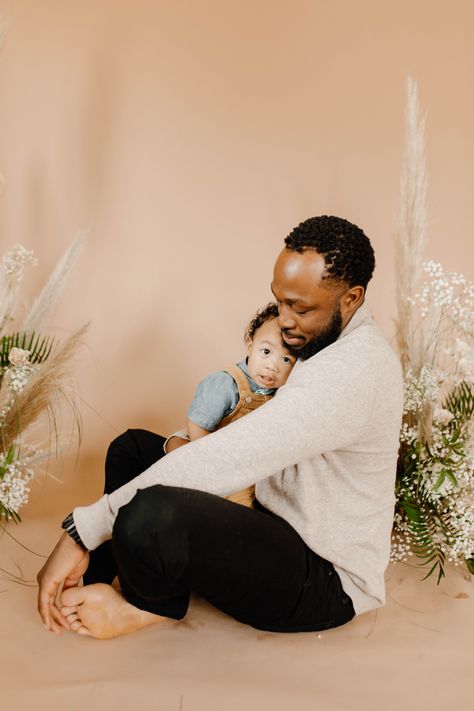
x,y
362,315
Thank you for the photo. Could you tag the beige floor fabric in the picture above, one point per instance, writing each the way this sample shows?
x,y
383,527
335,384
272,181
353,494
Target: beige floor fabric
x,y
416,653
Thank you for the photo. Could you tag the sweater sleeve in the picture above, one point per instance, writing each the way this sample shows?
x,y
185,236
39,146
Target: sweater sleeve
x,y
318,410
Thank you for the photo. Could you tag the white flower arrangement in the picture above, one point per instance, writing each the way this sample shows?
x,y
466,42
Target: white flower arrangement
x,y
33,370
434,513
435,487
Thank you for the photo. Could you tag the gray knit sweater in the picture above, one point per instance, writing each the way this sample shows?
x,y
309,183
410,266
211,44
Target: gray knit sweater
x,y
323,452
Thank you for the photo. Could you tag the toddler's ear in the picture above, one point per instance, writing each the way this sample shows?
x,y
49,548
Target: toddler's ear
x,y
248,343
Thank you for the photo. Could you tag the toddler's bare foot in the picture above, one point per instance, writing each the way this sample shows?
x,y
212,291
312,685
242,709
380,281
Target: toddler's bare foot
x,y
100,611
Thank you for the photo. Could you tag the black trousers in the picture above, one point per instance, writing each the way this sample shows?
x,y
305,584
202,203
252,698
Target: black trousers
x,y
247,562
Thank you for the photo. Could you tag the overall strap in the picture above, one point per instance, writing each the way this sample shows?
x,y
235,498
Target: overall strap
x,y
248,401
240,378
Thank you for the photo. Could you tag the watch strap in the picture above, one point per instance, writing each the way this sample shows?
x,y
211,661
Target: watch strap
x,y
70,527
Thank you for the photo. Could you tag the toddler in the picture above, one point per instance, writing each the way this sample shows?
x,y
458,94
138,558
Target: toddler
x,y
228,394
220,398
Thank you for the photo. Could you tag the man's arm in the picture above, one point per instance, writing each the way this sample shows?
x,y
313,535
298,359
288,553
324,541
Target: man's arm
x,y
318,410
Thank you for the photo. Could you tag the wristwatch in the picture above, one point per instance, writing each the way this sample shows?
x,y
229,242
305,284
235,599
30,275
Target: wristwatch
x,y
70,527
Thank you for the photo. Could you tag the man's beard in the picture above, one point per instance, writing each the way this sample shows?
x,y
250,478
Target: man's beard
x,y
322,340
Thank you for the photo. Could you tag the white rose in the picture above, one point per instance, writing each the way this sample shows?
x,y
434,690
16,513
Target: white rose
x,y
463,349
18,356
442,415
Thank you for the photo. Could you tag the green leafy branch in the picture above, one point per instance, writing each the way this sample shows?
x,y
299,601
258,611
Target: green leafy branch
x,y
424,521
427,522
460,403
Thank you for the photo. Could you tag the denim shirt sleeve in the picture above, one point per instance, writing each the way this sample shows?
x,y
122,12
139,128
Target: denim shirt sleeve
x,y
216,396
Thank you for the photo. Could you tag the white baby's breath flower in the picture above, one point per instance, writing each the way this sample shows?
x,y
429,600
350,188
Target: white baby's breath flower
x,y
421,390
16,259
19,376
15,479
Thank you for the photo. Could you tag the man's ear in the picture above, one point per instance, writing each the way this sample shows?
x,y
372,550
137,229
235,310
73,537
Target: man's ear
x,y
351,300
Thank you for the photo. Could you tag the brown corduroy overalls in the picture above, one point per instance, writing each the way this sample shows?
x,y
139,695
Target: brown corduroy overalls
x,y
248,401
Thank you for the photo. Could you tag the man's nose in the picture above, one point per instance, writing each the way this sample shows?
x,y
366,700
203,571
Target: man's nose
x,y
285,317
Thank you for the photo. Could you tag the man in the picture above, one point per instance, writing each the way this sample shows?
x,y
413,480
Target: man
x,y
313,551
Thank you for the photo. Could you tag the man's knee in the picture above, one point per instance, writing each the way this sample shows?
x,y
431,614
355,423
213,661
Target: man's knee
x,y
157,511
140,447
121,445
124,459
153,527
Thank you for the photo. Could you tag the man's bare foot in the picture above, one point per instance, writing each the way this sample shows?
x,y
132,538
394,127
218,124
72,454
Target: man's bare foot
x,y
101,612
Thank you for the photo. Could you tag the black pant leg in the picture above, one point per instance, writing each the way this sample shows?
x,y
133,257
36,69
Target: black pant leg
x,y
128,455
247,562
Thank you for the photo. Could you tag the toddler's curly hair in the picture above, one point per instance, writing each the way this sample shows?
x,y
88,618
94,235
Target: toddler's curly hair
x,y
266,313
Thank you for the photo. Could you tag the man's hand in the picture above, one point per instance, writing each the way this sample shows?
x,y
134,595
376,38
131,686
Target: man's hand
x,y
66,564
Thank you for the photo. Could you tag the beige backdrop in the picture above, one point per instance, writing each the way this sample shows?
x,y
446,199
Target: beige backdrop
x,y
191,137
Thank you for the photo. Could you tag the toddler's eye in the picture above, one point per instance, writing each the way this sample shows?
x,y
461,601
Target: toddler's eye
x,y
287,360
266,351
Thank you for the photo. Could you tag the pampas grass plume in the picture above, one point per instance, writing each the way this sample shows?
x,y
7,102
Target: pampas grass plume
x,y
49,296
411,235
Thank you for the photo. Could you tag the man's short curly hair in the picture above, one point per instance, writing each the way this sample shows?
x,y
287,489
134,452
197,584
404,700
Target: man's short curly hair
x,y
266,313
347,251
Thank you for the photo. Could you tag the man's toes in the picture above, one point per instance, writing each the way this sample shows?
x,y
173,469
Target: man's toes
x,y
83,630
79,628
72,597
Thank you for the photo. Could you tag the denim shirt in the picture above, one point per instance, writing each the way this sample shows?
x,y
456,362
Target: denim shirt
x,y
217,396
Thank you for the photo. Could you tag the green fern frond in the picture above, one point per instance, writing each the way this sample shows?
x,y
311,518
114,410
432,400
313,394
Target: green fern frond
x,y
39,347
429,528
422,528
460,403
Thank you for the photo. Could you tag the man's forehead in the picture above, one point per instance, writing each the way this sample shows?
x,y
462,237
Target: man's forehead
x,y
299,265
299,274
